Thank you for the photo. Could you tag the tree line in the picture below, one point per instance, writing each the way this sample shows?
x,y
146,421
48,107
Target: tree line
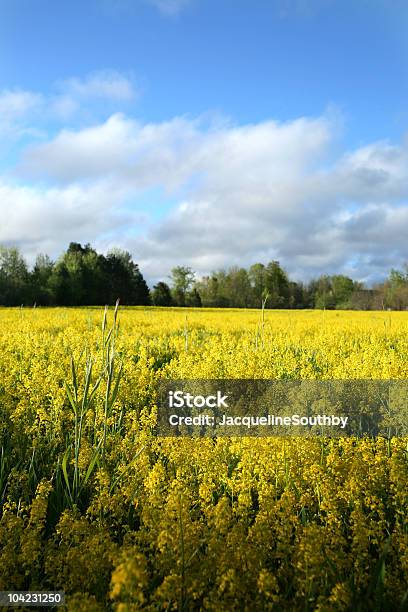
x,y
81,276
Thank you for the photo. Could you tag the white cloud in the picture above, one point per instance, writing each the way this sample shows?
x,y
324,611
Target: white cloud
x,y
140,155
20,110
47,219
16,106
107,84
170,153
247,193
17,103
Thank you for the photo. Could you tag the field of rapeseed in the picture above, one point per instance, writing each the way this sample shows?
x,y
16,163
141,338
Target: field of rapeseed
x,y
92,503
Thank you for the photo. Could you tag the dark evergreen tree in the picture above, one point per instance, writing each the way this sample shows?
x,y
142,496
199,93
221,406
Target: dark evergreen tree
x,y
161,295
124,280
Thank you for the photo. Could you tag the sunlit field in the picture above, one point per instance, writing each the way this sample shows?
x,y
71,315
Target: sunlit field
x,y
94,504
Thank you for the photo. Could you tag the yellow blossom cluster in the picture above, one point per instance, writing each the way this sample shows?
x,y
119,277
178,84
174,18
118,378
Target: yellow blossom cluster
x,y
94,503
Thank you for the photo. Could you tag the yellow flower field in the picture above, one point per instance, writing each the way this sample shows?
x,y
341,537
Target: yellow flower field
x,y
92,503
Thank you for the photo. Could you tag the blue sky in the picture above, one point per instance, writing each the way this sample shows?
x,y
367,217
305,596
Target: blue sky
x,y
171,120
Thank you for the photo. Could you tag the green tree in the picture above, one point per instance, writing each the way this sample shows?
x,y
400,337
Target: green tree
x,y
323,293
124,279
14,278
342,288
257,277
277,285
296,295
40,289
161,295
76,279
83,277
212,290
182,278
59,284
395,289
194,298
238,288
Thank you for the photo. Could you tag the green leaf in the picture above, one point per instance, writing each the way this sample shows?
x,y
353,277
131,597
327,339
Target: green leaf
x,y
65,471
71,398
116,388
91,465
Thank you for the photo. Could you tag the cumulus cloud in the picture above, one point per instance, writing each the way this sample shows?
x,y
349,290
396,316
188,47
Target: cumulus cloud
x,y
245,193
46,219
170,153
